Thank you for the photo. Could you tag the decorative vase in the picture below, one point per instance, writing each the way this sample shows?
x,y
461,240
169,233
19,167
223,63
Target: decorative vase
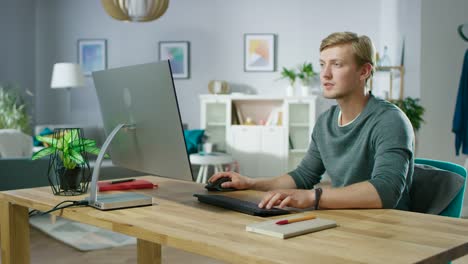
x,y
305,90
290,90
62,180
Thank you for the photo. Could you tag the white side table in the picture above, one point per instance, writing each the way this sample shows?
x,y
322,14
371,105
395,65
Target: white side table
x,y
215,159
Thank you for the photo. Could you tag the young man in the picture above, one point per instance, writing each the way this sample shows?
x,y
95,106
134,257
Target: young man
x,y
364,143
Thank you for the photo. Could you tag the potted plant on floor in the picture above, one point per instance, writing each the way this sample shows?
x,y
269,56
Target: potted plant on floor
x,y
68,154
13,114
413,110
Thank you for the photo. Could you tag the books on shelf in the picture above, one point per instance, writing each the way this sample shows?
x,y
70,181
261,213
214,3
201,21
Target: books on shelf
x,y
275,118
270,228
237,114
235,120
291,145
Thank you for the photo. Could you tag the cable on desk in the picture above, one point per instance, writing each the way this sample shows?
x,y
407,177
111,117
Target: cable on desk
x,y
59,207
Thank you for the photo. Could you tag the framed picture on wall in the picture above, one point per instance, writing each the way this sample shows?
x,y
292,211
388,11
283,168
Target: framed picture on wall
x,y
178,54
92,55
259,52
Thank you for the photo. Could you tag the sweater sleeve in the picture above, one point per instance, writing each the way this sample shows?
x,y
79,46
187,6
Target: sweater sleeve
x,y
310,169
393,143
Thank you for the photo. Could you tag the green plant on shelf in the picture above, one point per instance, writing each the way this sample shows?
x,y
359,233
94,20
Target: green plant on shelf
x,y
290,75
306,73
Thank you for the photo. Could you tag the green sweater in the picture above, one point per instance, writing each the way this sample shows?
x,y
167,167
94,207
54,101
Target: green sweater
x,y
377,147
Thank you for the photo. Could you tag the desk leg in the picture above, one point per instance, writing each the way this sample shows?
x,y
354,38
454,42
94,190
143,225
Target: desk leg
x,y
148,252
14,233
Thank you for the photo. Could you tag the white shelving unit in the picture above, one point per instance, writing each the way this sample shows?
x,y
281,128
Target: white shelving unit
x,y
261,150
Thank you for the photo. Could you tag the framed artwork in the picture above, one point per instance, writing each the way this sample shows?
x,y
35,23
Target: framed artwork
x,y
178,54
259,52
92,55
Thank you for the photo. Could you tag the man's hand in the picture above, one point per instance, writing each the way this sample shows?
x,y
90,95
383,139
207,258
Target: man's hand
x,y
237,181
290,197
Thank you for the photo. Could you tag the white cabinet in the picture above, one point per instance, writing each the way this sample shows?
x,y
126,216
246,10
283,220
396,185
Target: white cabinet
x,y
215,120
261,150
300,119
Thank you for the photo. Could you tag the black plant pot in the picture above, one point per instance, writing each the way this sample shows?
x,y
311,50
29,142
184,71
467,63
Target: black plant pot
x,y
70,179
65,181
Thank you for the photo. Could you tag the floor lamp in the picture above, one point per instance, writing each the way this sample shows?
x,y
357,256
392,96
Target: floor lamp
x,y
67,75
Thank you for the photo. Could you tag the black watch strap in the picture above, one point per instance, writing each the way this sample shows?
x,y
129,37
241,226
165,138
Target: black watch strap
x,y
318,194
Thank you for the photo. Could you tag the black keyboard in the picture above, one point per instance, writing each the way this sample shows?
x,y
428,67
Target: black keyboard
x,y
238,205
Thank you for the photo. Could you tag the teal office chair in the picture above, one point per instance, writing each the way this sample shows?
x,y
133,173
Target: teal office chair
x,y
455,207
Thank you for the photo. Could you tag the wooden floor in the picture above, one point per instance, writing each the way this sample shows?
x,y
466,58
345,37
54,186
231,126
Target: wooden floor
x,y
46,250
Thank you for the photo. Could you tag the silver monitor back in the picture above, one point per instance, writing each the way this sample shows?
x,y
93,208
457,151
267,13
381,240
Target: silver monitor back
x,y
144,96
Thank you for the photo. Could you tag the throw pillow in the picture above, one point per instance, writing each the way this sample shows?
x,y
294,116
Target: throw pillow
x,y
433,189
193,138
46,131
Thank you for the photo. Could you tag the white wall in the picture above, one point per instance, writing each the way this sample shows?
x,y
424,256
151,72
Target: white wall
x,y
442,52
409,28
215,30
17,45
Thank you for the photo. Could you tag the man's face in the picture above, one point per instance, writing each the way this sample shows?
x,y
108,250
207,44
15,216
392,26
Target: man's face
x,y
339,75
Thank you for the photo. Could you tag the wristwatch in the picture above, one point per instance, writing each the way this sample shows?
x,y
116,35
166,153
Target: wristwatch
x,y
318,194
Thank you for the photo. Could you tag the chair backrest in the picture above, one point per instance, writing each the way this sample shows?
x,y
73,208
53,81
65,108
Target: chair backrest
x,y
455,207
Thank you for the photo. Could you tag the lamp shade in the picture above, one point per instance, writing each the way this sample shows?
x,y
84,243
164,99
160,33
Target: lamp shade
x,y
67,75
135,10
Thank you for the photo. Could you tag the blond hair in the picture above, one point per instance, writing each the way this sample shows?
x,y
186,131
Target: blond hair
x,y
363,49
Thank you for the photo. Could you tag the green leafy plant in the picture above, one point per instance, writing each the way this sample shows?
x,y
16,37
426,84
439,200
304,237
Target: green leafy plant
x,y
291,75
413,110
13,113
69,147
306,72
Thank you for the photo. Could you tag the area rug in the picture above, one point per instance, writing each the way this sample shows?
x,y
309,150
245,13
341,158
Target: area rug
x,y
80,236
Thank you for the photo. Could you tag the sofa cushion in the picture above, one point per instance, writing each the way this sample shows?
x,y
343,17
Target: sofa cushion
x,y
193,139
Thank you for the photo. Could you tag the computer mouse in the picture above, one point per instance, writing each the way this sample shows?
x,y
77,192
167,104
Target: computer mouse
x,y
216,185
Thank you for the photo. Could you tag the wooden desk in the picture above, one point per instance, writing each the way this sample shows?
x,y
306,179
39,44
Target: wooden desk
x,y
384,236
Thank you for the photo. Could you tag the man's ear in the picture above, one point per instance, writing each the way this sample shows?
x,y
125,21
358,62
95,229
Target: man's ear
x,y
366,71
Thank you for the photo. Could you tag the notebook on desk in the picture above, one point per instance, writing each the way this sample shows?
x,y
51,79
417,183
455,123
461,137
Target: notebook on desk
x,y
270,228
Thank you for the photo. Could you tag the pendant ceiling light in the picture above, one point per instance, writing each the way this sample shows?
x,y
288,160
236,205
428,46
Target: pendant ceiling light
x,y
135,10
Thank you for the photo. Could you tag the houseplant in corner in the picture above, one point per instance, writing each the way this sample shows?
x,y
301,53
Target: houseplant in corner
x,y
291,76
69,172
306,73
414,111
13,112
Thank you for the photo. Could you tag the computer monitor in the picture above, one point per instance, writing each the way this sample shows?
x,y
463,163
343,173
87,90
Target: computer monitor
x,y
144,98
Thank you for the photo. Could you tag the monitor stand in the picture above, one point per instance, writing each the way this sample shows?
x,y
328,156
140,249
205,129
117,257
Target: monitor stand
x,y
115,200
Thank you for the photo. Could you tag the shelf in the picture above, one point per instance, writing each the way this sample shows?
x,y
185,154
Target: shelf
x,y
216,124
300,151
400,69
388,68
305,125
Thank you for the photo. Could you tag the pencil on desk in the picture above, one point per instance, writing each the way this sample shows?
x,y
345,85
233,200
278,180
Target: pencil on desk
x,y
121,181
299,219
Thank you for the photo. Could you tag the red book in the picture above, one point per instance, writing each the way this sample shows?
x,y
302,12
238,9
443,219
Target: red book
x,y
136,184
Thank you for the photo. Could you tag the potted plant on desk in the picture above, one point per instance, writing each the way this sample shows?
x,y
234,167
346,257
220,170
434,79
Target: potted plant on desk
x,y
68,160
